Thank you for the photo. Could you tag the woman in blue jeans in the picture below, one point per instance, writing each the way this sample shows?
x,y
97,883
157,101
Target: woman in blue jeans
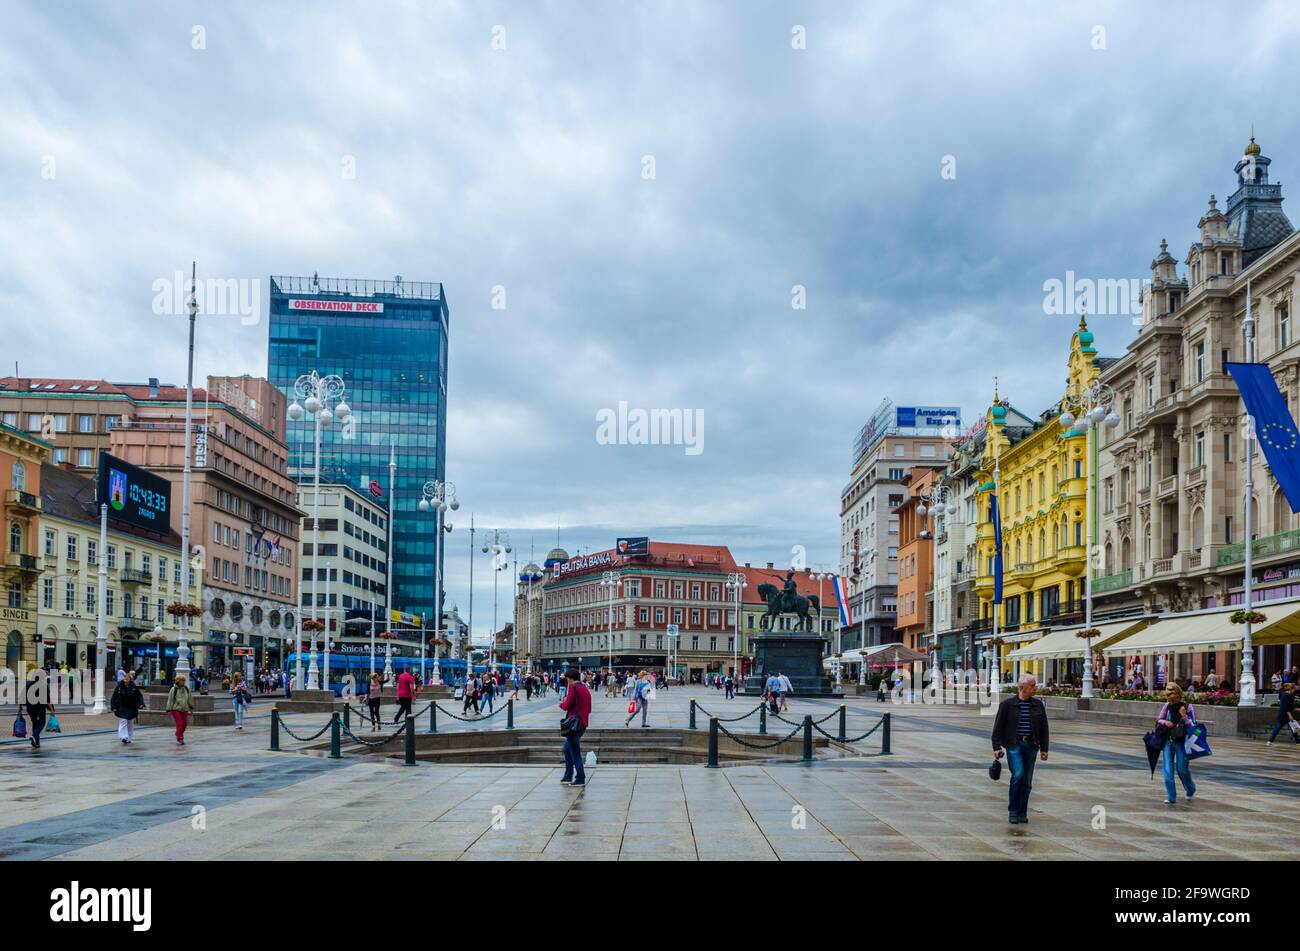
x,y
1177,716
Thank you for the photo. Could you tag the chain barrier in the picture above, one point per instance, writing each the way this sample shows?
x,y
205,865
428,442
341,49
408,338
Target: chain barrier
x,y
471,719
415,714
761,746
303,739
708,715
374,743
850,739
799,723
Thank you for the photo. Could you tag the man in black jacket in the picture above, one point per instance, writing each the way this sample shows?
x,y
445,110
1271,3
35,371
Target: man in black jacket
x,y
1020,731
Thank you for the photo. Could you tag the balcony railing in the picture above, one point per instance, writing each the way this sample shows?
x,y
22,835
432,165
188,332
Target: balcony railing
x,y
16,498
14,559
1121,579
135,576
1265,547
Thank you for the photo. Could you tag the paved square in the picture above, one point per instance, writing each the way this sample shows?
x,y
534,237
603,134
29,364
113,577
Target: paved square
x,y
225,796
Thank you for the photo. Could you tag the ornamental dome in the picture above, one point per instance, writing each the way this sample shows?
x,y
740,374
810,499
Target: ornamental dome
x,y
1252,148
1086,338
556,556
999,412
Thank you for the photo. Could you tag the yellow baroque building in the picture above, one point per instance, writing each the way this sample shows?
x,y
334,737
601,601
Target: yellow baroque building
x,y
1043,477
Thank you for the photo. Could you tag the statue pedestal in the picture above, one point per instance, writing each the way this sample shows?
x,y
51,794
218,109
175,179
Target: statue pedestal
x,y
798,656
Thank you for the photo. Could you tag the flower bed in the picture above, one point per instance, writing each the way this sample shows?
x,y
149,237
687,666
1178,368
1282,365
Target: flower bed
x,y
1214,698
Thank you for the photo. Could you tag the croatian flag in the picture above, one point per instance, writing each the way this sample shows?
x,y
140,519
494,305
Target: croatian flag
x,y
840,586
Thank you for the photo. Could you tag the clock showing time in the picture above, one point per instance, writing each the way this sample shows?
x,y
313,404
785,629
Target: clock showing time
x,y
135,495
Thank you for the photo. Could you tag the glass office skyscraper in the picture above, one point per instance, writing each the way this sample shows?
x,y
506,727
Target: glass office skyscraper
x,y
388,341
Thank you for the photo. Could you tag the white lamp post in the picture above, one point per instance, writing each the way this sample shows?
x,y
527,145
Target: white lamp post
x,y
438,496
1246,686
736,583
610,581
1085,407
531,574
500,547
821,575
183,645
936,504
317,393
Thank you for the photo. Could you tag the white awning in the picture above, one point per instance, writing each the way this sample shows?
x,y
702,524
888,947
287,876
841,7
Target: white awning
x,y
1213,631
1065,642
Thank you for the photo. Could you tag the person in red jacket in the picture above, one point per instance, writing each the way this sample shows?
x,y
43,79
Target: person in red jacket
x,y
405,693
576,703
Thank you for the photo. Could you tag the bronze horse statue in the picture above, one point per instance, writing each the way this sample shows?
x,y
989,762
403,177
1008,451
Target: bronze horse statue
x,y
776,606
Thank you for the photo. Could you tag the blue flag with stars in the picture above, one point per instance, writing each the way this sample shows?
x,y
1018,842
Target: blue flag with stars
x,y
1274,428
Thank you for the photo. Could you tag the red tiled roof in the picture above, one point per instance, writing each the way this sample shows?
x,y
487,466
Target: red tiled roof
x,y
65,386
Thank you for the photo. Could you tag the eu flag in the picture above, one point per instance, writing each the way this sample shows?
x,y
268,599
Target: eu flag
x,y
1274,427
997,550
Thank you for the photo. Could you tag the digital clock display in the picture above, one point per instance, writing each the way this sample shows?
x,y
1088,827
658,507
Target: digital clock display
x,y
134,495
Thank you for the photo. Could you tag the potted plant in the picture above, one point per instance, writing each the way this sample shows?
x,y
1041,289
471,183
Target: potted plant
x,y
1088,633
310,625
1243,617
179,609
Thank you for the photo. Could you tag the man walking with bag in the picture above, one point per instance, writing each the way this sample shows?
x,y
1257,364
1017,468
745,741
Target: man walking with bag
x,y
1020,732
1285,713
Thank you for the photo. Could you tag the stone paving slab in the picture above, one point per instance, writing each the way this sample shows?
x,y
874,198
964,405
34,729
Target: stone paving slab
x,y
84,796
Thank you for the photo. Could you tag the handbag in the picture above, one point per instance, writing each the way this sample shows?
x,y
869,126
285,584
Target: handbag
x,y
1295,727
1197,743
52,726
20,726
995,769
631,708
569,726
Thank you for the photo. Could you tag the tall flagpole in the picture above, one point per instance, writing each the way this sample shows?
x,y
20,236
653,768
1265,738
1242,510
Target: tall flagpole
x,y
1246,686
997,542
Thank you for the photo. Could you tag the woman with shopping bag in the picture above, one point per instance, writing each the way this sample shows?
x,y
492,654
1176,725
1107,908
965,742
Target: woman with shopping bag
x,y
1178,718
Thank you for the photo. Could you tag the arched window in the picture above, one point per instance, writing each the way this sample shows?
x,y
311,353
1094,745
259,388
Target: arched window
x,y
15,538
19,477
1198,530
1125,555
1042,543
1282,518
1108,566
1056,537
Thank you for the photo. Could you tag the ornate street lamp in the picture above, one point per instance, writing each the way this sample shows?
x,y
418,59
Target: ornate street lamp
x,y
736,583
439,496
317,393
500,547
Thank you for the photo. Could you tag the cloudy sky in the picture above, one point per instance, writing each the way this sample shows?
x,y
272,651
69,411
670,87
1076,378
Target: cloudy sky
x,y
647,181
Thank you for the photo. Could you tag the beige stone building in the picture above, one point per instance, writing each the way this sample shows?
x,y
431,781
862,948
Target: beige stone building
x,y
1171,475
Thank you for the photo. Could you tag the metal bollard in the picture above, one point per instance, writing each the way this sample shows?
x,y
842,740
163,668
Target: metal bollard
x,y
433,717
410,742
336,738
884,736
510,714
843,724
692,726
275,730
347,715
807,738
713,743
762,719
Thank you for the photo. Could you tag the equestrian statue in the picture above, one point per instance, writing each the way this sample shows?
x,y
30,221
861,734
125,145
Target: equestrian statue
x,y
787,600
